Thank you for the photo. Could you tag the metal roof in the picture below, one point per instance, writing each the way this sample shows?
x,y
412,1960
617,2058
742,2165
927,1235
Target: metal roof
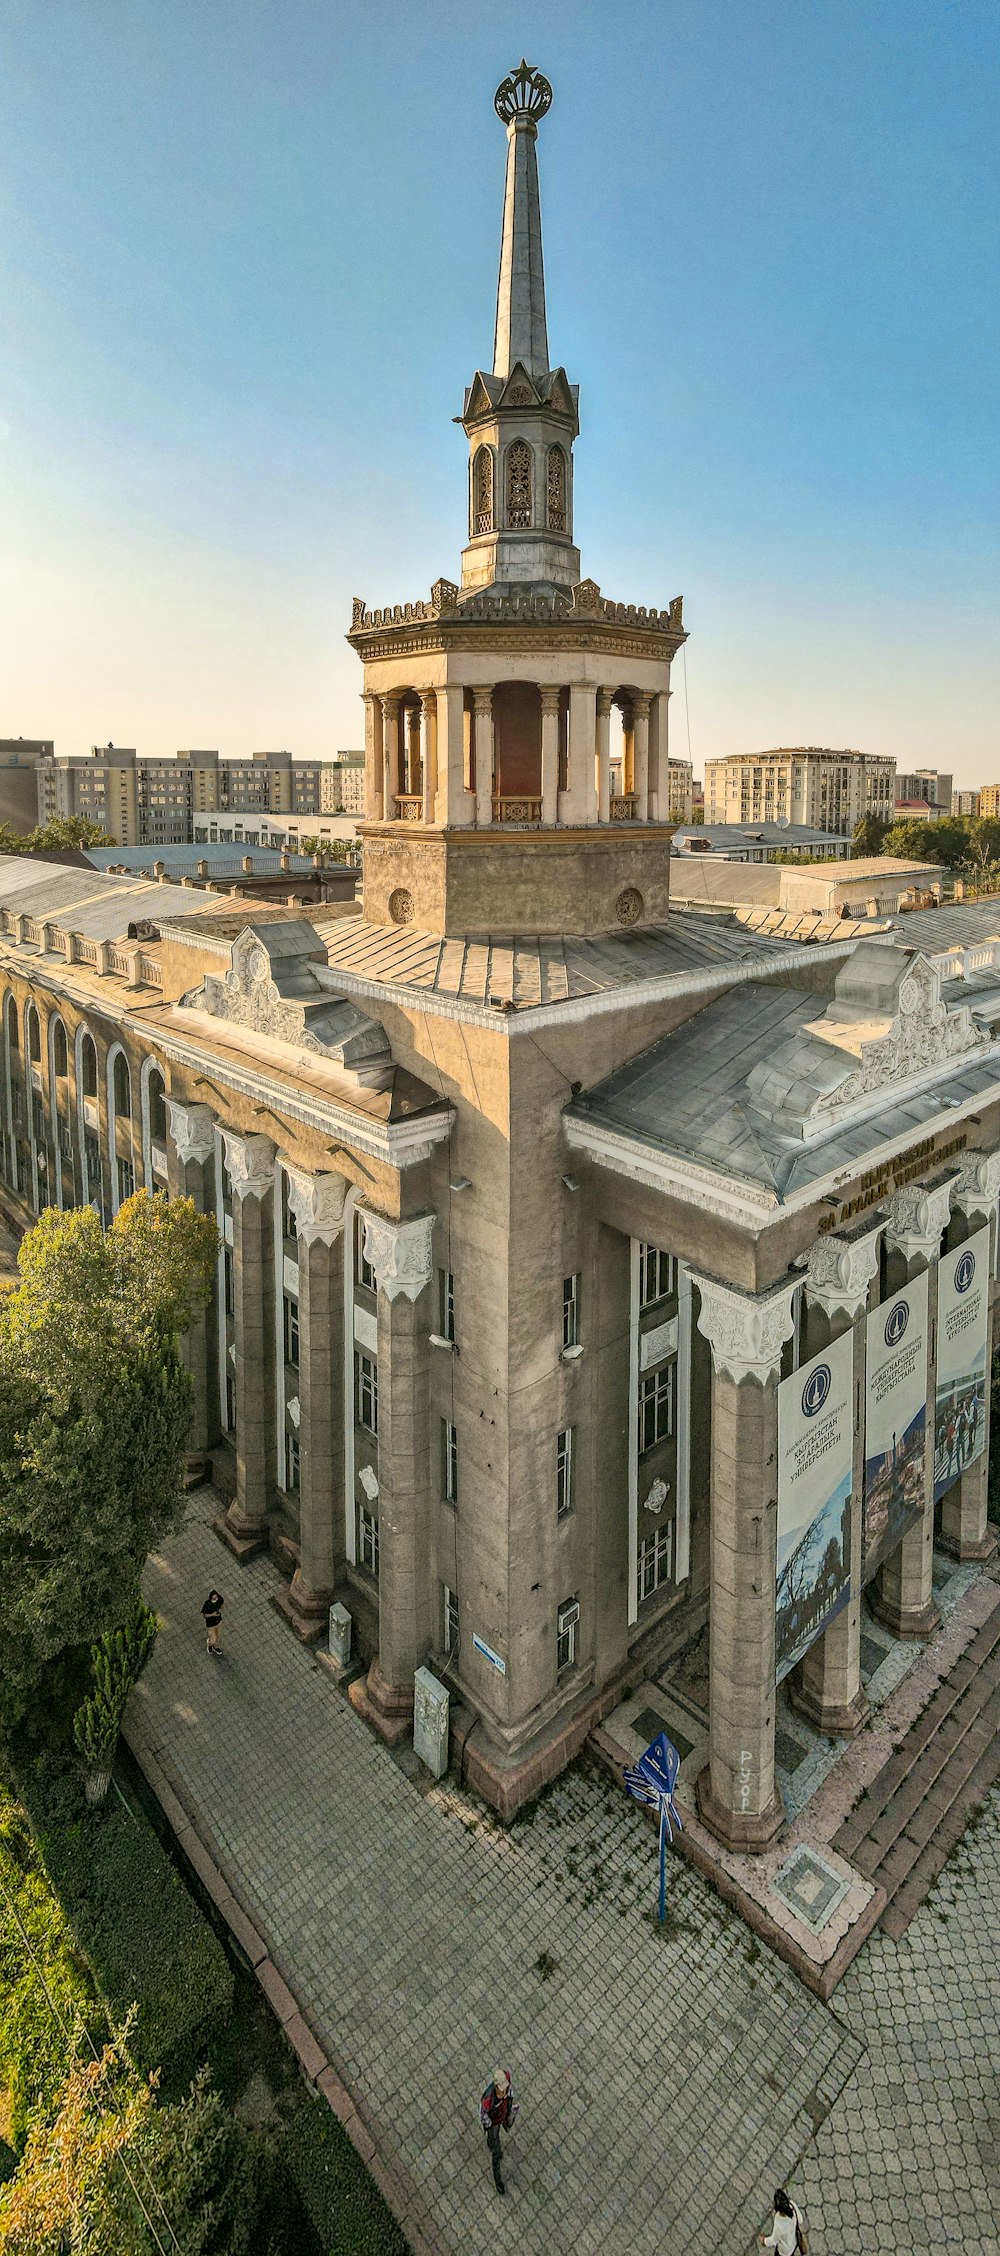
x,y
84,900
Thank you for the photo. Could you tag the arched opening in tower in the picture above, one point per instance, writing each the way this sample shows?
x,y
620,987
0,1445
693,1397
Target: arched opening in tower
x,y
517,740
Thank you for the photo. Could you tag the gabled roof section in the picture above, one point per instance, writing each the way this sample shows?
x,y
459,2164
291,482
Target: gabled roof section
x,y
481,396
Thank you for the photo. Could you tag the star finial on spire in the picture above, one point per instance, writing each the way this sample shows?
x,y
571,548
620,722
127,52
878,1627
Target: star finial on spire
x,y
524,94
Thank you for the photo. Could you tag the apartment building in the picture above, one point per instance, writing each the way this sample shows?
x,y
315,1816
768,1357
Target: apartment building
x,y
805,784
153,802
342,785
928,784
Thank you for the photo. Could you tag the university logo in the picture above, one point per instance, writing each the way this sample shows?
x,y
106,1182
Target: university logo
x,y
965,1270
816,1389
896,1323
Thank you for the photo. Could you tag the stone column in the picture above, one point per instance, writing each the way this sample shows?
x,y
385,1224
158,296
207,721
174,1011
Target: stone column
x,y
659,769
317,1203
458,805
390,754
413,716
428,752
401,1255
737,1795
374,758
965,1529
605,700
902,1594
640,753
482,705
581,796
827,1686
250,1160
550,756
191,1174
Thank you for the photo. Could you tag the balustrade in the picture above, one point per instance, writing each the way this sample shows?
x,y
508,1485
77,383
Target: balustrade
x,y
518,813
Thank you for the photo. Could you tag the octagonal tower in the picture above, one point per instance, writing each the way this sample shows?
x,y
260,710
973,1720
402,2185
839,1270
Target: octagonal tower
x,y
488,795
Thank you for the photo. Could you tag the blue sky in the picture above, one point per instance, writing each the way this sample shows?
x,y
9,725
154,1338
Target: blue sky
x,y
248,263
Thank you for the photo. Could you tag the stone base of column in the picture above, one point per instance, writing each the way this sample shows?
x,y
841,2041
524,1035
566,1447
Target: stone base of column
x,y
842,1719
957,1547
197,1470
241,1535
750,1832
306,1611
903,1621
387,1707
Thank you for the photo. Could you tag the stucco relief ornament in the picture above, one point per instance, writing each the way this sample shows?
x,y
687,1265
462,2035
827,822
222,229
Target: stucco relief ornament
x,y
629,905
250,1161
917,1217
399,1252
192,1129
317,1204
746,1333
840,1270
978,1186
401,905
924,1033
657,1497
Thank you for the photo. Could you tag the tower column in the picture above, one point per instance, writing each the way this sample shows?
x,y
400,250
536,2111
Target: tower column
x,y
482,702
640,753
413,717
659,763
580,798
457,806
428,742
628,746
390,753
605,700
550,756
374,776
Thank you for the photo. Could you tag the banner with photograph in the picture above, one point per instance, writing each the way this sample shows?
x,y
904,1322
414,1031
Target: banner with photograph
x,y
815,1446
963,1310
895,1420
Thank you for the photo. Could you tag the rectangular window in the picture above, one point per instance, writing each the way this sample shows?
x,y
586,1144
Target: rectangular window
x,y
229,1275
126,1180
564,1473
656,1275
230,1403
368,1535
291,1462
366,1391
656,1405
291,1331
449,1440
567,1624
450,1619
447,1288
571,1310
656,1560
363,1272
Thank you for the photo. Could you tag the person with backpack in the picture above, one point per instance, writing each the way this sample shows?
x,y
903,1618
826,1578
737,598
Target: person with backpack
x,y
496,2113
787,2235
212,1613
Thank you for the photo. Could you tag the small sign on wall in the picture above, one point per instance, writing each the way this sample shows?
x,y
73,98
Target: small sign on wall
x,y
488,1654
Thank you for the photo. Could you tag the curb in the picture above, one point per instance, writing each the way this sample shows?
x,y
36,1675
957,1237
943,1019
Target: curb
x,y
198,1846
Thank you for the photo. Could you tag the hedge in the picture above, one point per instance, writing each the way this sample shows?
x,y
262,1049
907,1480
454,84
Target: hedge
x,y
146,1941
32,2044
338,2194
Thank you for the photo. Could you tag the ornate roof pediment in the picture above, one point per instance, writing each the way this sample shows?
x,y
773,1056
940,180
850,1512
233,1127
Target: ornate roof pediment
x,y
481,397
279,984
886,1026
562,395
520,389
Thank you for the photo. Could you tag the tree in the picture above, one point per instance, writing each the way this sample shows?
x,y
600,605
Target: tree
x,y
946,842
869,835
58,836
118,1659
94,1415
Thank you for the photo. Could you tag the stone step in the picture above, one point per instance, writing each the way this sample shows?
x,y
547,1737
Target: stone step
x,y
862,1819
933,1857
935,1758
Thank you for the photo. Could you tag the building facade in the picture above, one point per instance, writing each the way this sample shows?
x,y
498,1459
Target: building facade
x,y
831,791
539,1209
19,758
154,802
928,784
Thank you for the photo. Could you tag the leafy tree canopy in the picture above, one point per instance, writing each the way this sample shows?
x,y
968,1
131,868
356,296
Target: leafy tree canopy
x,y
945,842
57,836
869,835
95,1407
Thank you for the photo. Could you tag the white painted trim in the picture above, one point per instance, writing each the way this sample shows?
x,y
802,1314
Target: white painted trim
x,y
682,1544
350,1515
633,1433
9,1003
109,1082
398,1143
83,1034
56,1019
149,1066
30,1093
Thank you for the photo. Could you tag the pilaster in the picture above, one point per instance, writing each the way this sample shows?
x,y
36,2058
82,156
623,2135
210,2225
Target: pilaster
x,y
826,1687
902,1595
250,1160
317,1204
401,1256
965,1528
191,1174
738,1796
482,709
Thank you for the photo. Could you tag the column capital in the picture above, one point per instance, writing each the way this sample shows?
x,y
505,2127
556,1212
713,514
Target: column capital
x,y
840,1270
482,697
192,1130
917,1216
250,1160
399,1252
605,700
317,1202
978,1185
641,702
390,700
746,1331
550,699
429,699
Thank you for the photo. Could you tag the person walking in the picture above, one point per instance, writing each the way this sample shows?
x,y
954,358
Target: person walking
x,y
212,1611
496,2114
787,2234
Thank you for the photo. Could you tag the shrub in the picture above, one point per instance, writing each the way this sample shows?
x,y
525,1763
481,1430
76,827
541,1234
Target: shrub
x,y
343,2202
36,1946
118,1660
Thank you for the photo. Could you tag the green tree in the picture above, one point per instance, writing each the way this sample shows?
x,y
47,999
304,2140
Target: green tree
x,y
869,835
55,837
118,1660
946,842
94,1414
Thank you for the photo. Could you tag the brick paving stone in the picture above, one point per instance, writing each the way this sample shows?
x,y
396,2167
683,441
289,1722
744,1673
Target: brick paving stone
x,y
668,2081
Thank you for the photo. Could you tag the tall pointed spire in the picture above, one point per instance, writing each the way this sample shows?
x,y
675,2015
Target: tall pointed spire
x,y
521,335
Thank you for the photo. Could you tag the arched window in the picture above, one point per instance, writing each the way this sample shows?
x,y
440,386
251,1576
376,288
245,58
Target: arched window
x,y
519,483
88,1060
13,1043
60,1051
157,1107
482,491
123,1089
555,489
34,1035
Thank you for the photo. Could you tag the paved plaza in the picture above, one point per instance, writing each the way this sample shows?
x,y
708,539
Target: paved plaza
x,y
668,2080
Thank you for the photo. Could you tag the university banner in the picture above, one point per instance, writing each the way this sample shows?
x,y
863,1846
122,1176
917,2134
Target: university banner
x,y
815,1447
963,1309
895,1421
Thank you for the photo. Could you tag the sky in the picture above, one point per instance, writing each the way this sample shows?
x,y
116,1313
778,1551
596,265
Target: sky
x,y
248,263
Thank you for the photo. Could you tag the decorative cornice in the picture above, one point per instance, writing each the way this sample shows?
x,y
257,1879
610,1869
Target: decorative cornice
x,y
250,1161
918,1214
978,1185
317,1202
401,1253
192,1130
746,1331
840,1270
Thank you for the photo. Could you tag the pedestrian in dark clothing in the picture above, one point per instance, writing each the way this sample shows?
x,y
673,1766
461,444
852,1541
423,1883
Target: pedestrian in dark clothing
x,y
496,2114
212,1611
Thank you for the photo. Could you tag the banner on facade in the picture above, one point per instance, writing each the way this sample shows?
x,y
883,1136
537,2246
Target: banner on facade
x,y
815,1448
960,1409
895,1421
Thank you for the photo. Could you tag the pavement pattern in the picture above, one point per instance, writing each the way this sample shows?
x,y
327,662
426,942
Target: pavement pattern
x,y
668,2080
